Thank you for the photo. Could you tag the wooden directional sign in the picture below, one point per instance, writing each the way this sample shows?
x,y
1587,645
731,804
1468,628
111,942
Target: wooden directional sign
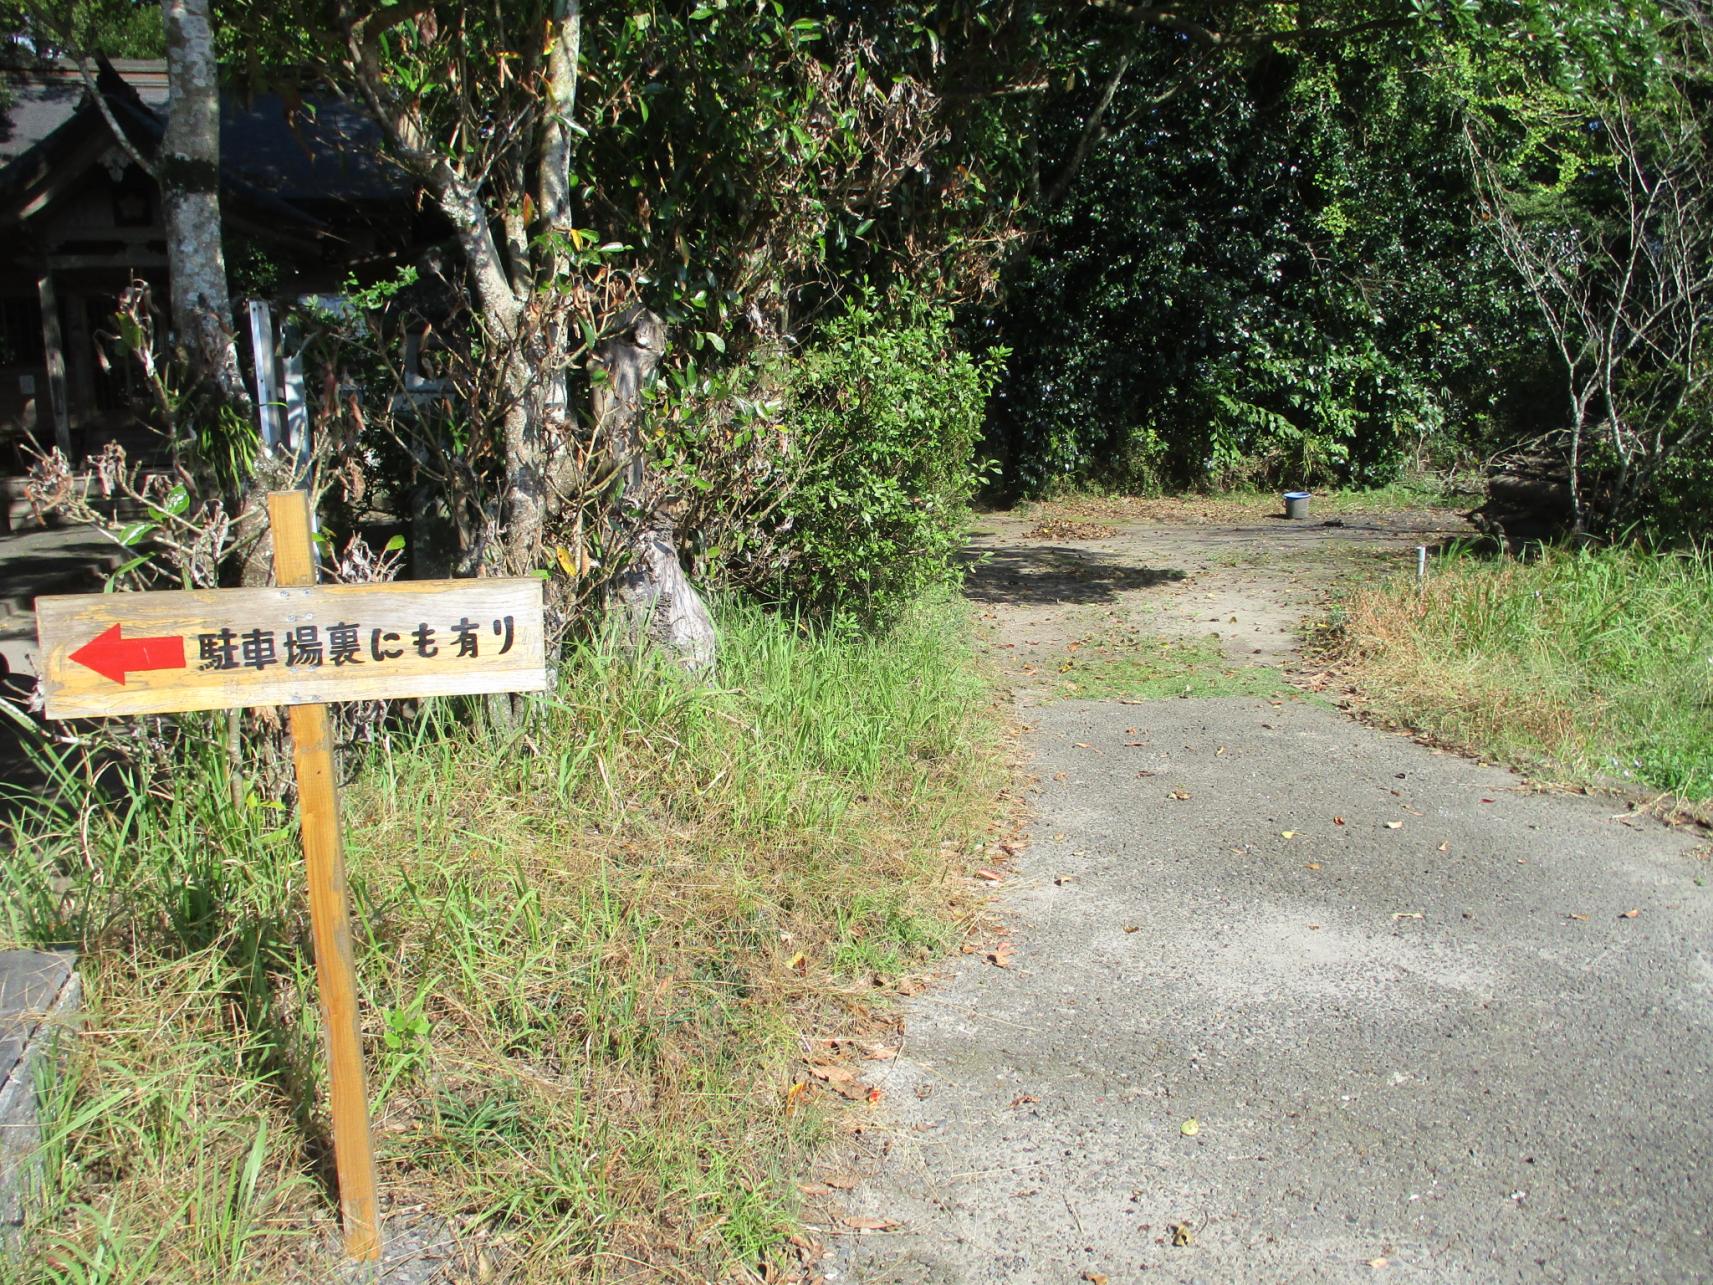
x,y
167,653
302,645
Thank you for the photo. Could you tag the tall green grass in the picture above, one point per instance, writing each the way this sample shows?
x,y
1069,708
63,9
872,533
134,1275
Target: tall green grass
x,y
1595,664
590,950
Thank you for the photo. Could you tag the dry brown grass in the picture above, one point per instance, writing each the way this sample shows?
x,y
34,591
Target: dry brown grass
x,y
1593,668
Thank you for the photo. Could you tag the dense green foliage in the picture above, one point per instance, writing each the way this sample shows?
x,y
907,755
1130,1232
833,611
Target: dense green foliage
x,y
1274,277
886,410
1380,237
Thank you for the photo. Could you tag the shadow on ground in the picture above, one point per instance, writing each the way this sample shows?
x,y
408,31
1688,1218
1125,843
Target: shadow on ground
x,y
1055,573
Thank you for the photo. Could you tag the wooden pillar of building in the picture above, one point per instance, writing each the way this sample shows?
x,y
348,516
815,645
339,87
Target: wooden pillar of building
x,y
53,350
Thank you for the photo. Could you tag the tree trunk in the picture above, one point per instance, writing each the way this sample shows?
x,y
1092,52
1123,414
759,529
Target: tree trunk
x,y
189,167
189,172
655,595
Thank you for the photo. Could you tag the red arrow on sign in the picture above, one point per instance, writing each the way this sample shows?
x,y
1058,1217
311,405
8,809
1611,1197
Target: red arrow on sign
x,y
113,656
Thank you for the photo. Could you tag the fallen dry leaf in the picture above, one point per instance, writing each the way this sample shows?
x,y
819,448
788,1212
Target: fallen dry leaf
x,y
832,1074
1406,914
879,1052
1094,1278
1394,825
989,876
1132,928
814,1189
1313,865
1000,955
1287,834
1080,745
1631,914
1378,1264
1182,1235
1583,918
1189,1128
870,1224
1338,820
1023,1098
1445,847
795,1093
1179,794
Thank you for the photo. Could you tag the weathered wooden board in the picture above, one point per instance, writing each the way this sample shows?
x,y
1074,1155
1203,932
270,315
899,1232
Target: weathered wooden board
x,y
163,653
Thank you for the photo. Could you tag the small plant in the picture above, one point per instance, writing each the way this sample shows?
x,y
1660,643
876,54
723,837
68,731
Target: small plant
x,y
404,1038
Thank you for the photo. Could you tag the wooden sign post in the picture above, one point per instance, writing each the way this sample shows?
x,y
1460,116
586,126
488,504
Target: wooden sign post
x,y
300,644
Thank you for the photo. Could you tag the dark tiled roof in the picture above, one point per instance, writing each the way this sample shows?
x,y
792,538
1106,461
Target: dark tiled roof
x,y
47,95
318,150
325,150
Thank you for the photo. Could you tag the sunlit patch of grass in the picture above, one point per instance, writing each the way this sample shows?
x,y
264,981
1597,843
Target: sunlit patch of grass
x,y
1129,663
1592,665
589,949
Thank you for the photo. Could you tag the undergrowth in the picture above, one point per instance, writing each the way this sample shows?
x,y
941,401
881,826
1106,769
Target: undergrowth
x,y
589,952
1594,665
1425,490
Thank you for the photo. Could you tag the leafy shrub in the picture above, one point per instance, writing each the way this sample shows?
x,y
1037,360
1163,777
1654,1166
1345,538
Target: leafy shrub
x,y
884,412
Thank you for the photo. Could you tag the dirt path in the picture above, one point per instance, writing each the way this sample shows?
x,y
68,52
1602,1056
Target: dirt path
x,y
1288,998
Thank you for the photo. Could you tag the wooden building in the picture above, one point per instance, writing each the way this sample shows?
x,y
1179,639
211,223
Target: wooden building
x,y
306,200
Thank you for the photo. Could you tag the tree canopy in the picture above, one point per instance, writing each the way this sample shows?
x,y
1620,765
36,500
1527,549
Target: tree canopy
x,y
1217,243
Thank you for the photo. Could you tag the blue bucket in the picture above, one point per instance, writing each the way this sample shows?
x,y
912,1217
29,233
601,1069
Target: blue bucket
x,y
1296,504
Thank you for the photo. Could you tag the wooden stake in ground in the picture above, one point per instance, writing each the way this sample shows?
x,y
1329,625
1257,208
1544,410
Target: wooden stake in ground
x,y
329,910
301,645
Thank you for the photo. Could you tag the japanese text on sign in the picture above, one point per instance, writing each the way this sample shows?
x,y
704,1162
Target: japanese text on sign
x,y
213,649
303,645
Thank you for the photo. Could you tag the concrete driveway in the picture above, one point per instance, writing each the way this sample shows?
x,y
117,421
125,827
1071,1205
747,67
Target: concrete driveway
x,y
1292,999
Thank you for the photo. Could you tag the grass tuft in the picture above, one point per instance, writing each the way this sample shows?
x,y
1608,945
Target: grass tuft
x,y
1126,662
1593,665
590,952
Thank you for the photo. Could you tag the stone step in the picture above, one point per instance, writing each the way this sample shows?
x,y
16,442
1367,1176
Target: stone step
x,y
40,997
40,560
21,515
